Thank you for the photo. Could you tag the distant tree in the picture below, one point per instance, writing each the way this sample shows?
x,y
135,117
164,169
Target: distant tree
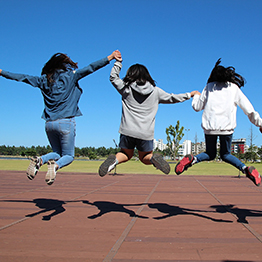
x,y
30,152
259,152
92,155
101,151
252,148
174,136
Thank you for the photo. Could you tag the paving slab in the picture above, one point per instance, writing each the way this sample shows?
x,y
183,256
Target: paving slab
x,y
129,218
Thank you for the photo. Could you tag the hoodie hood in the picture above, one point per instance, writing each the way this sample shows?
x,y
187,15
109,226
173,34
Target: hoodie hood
x,y
145,89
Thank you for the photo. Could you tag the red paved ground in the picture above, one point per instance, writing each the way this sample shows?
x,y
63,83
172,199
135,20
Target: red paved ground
x,y
129,218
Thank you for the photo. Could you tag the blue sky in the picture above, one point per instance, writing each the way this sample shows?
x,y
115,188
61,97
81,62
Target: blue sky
x,y
178,41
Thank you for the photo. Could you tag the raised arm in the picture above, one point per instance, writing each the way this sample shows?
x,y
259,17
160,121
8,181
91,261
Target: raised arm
x,y
199,100
248,109
80,73
114,76
170,98
31,80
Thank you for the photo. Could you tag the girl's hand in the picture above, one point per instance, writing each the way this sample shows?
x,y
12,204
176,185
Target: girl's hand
x,y
118,56
115,55
194,93
0,71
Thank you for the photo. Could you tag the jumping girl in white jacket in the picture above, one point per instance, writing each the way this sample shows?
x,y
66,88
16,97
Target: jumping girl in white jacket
x,y
219,100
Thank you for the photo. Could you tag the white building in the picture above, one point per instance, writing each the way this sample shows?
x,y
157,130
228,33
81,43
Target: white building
x,y
198,148
185,148
159,144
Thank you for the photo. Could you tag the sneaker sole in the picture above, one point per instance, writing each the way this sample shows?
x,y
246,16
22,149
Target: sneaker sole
x,y
183,164
50,176
29,174
163,165
256,179
106,164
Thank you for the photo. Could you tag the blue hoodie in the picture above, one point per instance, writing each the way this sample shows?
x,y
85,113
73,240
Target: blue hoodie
x,y
61,98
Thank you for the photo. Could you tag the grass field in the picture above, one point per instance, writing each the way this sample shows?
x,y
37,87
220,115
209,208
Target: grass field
x,y
134,167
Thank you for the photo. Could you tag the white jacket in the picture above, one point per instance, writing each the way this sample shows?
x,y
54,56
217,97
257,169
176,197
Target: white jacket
x,y
219,102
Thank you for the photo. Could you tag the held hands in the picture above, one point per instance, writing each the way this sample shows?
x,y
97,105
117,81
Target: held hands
x,y
115,55
194,93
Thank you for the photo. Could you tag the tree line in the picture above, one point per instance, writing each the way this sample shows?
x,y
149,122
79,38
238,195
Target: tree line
x,y
174,136
90,152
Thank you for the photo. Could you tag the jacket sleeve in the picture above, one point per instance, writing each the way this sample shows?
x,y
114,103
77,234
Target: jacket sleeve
x,y
80,73
199,101
31,80
114,77
170,98
248,109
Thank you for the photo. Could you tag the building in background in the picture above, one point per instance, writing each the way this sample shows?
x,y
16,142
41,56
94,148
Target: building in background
x,y
187,147
197,148
238,146
158,144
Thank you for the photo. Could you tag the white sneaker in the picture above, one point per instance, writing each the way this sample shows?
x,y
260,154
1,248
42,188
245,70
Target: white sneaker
x,y
51,172
34,166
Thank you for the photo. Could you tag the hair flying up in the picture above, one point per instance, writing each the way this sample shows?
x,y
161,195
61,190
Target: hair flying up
x,y
225,74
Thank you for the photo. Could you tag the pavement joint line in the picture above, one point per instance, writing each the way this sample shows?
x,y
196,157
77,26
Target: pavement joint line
x,y
248,227
119,242
121,239
14,223
25,218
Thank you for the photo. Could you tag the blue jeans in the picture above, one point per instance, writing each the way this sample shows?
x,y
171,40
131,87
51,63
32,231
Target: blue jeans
x,y
61,135
225,150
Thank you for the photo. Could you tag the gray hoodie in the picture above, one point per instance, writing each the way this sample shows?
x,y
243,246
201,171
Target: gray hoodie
x,y
140,105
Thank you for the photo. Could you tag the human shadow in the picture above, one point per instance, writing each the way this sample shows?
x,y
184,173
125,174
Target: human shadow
x,y
107,207
171,211
45,205
241,213
237,261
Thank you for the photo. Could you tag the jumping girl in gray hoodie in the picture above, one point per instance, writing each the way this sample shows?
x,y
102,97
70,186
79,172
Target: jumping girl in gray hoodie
x,y
140,99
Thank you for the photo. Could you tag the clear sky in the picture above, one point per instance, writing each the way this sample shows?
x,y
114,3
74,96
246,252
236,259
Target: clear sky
x,y
178,41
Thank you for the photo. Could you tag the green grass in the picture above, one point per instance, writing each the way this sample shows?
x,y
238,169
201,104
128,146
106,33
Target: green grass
x,y
133,167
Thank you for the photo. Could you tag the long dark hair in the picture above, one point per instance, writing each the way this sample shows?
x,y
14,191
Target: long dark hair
x,y
225,74
139,74
57,61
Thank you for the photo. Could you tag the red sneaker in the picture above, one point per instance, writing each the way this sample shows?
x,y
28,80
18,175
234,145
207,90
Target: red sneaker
x,y
184,164
253,175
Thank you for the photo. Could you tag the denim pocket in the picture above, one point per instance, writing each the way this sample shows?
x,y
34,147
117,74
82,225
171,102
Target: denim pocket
x,y
65,127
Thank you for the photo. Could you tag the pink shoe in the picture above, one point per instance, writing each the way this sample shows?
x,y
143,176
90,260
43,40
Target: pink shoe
x,y
253,175
184,164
